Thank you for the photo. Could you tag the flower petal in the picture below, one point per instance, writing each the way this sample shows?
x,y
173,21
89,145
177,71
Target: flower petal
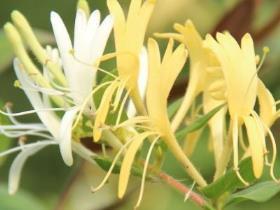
x,y
256,139
17,165
267,104
65,136
128,161
49,119
63,42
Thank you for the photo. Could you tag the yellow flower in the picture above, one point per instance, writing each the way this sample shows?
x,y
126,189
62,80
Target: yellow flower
x,y
205,77
199,60
240,73
162,75
129,34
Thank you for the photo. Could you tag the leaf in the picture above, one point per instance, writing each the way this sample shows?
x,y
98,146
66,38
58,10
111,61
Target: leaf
x,y
174,107
21,201
106,163
6,50
260,192
197,124
230,182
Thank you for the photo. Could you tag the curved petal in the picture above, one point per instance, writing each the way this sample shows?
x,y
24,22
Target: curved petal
x,y
65,136
256,140
49,119
63,42
128,161
17,165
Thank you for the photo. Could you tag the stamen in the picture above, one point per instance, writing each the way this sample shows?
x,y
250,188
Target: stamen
x,y
118,96
122,107
274,153
103,109
94,65
240,177
145,172
31,111
83,106
11,118
260,125
265,52
16,134
235,150
94,189
22,140
19,148
103,146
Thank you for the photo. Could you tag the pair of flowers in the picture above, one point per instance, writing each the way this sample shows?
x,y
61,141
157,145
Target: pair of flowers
x,y
221,70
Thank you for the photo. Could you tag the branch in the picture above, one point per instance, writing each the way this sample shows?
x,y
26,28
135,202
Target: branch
x,y
169,180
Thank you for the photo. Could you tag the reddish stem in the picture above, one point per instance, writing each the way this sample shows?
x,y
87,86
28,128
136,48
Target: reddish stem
x,y
196,198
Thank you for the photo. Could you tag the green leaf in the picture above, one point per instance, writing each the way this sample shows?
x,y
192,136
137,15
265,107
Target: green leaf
x,y
197,124
20,201
6,51
230,182
106,163
173,107
260,192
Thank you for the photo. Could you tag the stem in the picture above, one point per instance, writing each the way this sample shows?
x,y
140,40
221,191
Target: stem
x,y
169,180
184,160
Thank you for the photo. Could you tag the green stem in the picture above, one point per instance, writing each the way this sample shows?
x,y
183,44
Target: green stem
x,y
184,160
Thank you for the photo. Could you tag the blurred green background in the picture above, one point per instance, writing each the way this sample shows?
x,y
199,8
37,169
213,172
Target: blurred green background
x,y
48,184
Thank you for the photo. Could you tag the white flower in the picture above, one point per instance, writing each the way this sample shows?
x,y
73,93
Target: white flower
x,y
80,68
79,59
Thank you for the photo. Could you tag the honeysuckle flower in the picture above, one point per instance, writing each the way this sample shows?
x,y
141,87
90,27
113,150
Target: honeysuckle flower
x,y
188,35
129,37
80,59
79,70
204,77
50,125
161,77
242,87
